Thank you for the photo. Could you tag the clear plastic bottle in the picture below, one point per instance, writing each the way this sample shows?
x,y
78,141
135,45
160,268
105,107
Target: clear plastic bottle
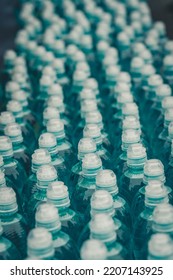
x,y
163,219
5,119
154,195
65,148
160,247
14,225
93,131
28,133
129,137
8,250
106,180
72,222
12,168
47,216
21,153
48,141
102,227
132,179
45,175
153,176
40,157
40,245
86,185
102,202
93,249
85,146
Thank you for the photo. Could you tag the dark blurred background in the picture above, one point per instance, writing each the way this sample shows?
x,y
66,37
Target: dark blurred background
x,y
161,10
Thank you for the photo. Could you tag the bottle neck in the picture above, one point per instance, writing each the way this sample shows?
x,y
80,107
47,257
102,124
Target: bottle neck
x,y
136,169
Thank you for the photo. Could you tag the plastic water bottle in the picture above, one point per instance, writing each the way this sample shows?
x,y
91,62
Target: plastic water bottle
x,y
163,219
161,138
129,137
153,176
132,180
96,118
48,114
22,98
163,91
154,195
45,175
14,225
48,141
85,146
102,227
40,157
15,108
12,168
165,155
169,169
160,247
106,180
47,217
57,102
167,103
86,185
102,202
5,119
65,148
93,131
71,222
21,153
8,250
40,245
93,249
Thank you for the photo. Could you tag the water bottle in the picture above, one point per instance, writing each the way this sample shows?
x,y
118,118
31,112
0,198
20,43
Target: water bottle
x,y
8,250
72,222
153,176
40,157
45,175
86,185
96,118
165,155
163,219
48,114
12,168
22,98
129,137
5,119
162,137
102,227
65,149
15,108
160,247
10,88
47,217
102,202
57,102
93,131
14,225
132,179
93,249
40,245
106,180
85,146
154,195
21,153
163,91
48,141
